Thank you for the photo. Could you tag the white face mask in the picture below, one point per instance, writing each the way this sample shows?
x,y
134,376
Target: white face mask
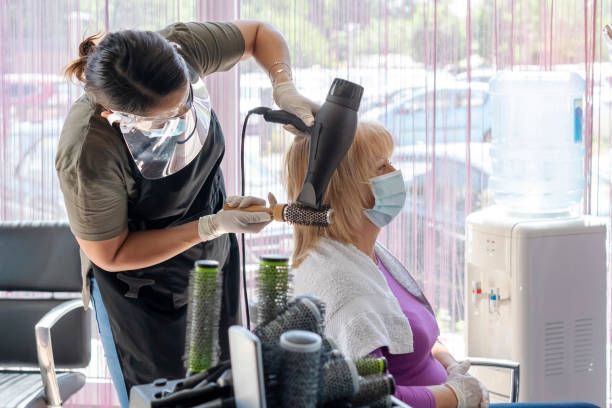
x,y
389,194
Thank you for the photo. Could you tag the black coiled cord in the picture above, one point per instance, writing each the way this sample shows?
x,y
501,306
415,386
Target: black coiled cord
x,y
257,111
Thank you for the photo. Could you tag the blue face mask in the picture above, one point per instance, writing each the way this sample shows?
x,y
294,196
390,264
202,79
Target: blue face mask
x,y
176,130
389,195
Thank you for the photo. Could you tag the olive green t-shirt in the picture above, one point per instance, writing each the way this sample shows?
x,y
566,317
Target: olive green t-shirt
x,y
92,162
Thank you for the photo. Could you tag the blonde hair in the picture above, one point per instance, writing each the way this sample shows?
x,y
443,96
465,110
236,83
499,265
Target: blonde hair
x,y
348,192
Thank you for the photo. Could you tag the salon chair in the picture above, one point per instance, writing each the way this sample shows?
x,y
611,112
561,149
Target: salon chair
x,y
500,375
504,375
45,331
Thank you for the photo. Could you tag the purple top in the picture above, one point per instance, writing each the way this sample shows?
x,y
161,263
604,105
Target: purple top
x,y
413,372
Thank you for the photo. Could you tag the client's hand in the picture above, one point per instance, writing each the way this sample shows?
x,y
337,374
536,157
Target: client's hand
x,y
469,391
458,368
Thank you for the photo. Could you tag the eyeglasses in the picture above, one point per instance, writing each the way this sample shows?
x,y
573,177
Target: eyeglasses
x,y
130,121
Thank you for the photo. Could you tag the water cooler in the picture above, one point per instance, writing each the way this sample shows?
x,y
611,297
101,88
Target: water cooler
x,y
535,269
536,294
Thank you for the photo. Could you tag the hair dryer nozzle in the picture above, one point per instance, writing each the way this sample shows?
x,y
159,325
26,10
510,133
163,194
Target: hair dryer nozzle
x,y
345,93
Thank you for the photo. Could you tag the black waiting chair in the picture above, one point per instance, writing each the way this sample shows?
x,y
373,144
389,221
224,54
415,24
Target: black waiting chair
x,y
45,331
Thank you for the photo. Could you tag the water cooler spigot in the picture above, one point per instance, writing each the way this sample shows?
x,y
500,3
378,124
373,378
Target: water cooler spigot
x,y
477,294
494,299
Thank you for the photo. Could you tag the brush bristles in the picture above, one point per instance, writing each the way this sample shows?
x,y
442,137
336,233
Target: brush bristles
x,y
300,370
382,403
373,388
317,302
337,381
203,312
371,366
273,291
301,215
299,315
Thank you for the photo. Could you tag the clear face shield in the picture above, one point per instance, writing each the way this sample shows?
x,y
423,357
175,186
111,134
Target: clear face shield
x,y
162,146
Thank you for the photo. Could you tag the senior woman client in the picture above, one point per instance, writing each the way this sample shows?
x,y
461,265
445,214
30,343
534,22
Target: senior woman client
x,y
374,306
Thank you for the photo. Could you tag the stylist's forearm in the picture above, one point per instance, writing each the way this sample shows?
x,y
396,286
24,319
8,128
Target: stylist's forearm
x,y
270,48
147,248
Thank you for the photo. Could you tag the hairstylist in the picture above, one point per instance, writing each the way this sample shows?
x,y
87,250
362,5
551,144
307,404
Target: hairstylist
x,y
138,164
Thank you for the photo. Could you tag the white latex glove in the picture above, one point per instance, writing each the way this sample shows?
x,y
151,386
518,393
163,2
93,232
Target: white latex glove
x,y
272,200
484,400
289,99
236,221
462,368
246,201
468,390
291,129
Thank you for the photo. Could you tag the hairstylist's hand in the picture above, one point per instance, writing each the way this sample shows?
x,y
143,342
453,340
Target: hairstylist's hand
x,y
243,202
236,221
272,200
289,99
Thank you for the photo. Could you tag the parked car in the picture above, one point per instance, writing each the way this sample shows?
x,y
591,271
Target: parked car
x,y
478,75
32,191
409,114
36,97
448,177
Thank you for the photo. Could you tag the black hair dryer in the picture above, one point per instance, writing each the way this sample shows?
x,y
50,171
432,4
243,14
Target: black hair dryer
x,y
330,137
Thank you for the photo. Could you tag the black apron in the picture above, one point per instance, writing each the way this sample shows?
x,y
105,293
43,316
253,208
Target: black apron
x,y
147,307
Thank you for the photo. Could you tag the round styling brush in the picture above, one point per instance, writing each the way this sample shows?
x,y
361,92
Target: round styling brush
x,y
273,287
293,213
339,381
371,365
301,358
372,388
300,315
384,402
203,311
303,315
